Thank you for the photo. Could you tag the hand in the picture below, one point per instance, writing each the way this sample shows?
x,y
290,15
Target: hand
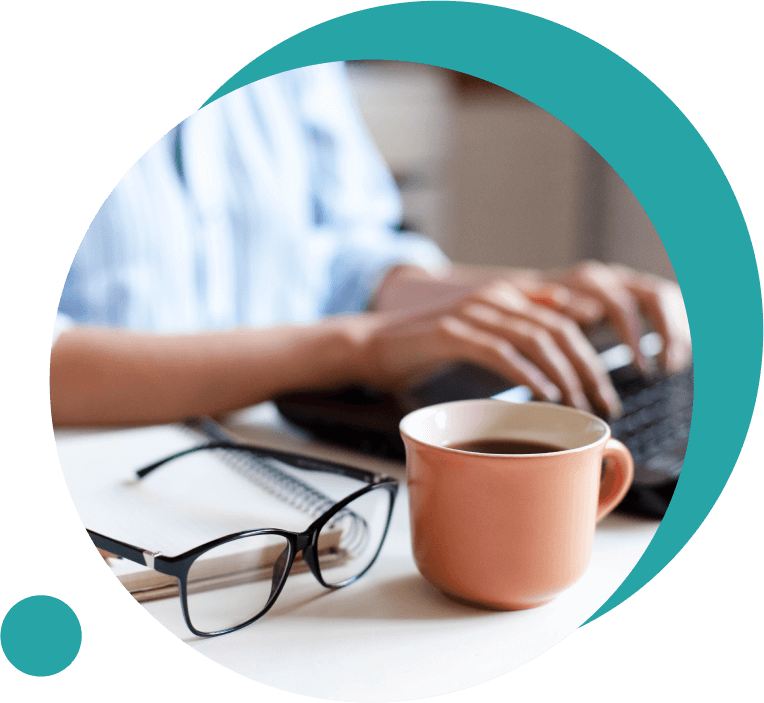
x,y
587,293
495,326
622,294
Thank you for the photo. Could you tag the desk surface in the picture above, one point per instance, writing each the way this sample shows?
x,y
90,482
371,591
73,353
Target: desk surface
x,y
392,636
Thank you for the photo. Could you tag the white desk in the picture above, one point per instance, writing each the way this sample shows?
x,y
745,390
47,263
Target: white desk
x,y
391,636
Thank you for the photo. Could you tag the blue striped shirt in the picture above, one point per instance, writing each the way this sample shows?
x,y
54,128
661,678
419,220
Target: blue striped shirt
x,y
271,205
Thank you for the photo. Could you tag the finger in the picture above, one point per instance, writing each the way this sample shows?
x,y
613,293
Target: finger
x,y
583,309
551,295
469,343
575,348
535,344
663,306
538,345
621,309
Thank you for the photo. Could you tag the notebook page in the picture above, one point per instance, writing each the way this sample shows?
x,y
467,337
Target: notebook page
x,y
179,506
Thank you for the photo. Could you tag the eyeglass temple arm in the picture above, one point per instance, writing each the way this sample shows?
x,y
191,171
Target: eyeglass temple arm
x,y
296,460
123,549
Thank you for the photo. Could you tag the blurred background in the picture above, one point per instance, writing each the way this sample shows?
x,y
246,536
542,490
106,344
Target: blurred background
x,y
493,179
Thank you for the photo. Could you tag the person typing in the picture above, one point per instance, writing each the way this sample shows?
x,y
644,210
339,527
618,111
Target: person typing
x,y
254,251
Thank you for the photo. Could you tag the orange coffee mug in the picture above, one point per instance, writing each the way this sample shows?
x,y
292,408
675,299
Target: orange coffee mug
x,y
508,530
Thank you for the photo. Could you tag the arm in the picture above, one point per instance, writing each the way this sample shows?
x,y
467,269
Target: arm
x,y
109,377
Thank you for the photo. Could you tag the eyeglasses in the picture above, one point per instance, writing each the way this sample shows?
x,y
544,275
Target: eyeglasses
x,y
230,582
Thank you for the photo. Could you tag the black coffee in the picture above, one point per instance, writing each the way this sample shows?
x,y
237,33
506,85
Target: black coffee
x,y
505,446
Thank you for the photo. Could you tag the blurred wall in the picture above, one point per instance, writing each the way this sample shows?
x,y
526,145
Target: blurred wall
x,y
495,179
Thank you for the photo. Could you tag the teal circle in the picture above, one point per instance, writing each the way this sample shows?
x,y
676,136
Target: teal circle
x,y
41,635
656,151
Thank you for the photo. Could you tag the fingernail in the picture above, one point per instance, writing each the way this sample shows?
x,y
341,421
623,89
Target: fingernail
x,y
612,398
676,360
670,361
582,403
552,393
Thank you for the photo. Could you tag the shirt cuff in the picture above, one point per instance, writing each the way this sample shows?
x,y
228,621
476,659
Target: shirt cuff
x,y
62,323
359,273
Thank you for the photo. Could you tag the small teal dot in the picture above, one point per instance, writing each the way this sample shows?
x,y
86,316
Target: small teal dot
x,y
41,635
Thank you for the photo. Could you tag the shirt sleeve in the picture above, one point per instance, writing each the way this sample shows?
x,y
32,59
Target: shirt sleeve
x,y
354,195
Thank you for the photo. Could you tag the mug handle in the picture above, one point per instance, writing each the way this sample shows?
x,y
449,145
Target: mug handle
x,y
617,476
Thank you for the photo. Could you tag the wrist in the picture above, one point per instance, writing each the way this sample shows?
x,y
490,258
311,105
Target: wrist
x,y
399,287
386,293
358,335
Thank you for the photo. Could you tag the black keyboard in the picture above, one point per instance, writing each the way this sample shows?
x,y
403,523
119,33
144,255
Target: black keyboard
x,y
655,426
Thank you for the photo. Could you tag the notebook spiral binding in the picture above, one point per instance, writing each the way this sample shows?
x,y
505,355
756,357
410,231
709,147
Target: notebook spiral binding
x,y
267,473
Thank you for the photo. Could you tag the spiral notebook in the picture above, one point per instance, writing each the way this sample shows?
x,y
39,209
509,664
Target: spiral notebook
x,y
184,504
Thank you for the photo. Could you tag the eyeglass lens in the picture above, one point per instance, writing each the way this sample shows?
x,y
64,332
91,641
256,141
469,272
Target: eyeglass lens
x,y
350,541
233,583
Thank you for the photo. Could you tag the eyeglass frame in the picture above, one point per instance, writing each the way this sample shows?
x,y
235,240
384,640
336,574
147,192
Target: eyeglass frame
x,y
305,541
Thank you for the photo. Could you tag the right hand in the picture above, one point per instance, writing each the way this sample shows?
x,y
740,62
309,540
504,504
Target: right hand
x,y
494,326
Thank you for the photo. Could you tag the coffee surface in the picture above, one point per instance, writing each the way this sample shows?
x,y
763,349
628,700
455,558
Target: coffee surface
x,y
505,446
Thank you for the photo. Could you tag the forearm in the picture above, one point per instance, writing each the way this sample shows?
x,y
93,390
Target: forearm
x,y
108,377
